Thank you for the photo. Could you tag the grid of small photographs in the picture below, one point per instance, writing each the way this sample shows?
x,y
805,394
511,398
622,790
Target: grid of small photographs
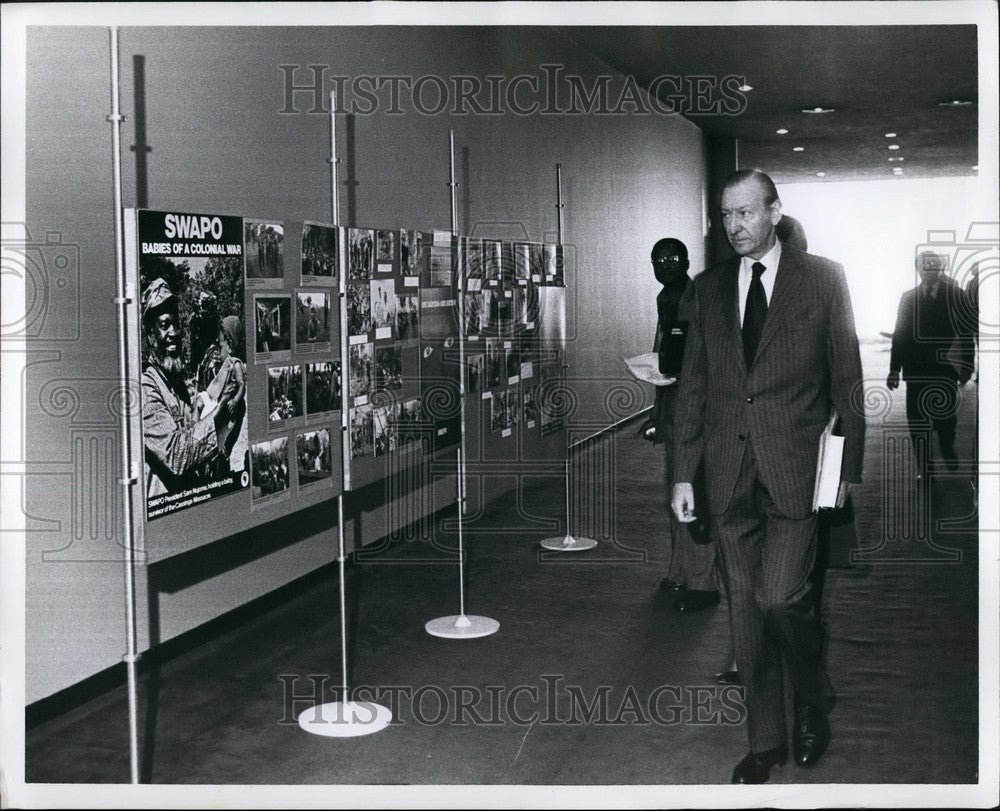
x,y
296,374
506,342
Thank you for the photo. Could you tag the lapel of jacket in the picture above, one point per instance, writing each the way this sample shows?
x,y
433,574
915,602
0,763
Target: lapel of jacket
x,y
783,296
729,300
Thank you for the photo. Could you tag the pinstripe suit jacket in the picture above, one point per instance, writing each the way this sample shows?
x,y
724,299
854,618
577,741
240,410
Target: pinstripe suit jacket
x,y
807,362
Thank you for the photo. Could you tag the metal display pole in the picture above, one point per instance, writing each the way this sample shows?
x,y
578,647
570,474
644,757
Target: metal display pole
x,y
128,479
566,543
460,626
344,718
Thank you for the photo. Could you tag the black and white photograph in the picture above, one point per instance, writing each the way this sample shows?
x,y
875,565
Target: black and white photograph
x,y
360,254
407,318
359,312
270,477
522,262
284,394
383,431
496,363
272,327
492,262
360,358
410,425
193,359
266,544
441,272
388,368
498,411
361,431
312,321
263,252
475,372
410,253
320,254
530,405
323,387
385,255
313,456
384,307
513,362
470,261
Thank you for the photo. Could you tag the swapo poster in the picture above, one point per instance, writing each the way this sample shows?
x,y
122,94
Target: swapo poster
x,y
192,358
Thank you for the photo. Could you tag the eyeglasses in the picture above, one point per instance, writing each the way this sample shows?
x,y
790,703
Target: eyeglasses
x,y
667,260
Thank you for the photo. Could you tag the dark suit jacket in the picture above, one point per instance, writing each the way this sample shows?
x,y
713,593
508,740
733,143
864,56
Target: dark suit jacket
x,y
807,362
927,328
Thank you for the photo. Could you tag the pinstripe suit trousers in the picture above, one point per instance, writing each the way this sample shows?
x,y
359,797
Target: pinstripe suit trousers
x,y
767,559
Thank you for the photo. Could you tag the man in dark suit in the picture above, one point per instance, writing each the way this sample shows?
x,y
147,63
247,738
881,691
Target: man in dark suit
x,y
929,321
771,350
692,555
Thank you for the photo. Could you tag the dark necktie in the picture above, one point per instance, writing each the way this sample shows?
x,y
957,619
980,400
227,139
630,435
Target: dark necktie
x,y
754,315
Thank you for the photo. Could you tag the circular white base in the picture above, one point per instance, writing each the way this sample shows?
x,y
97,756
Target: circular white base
x,y
345,719
568,543
462,627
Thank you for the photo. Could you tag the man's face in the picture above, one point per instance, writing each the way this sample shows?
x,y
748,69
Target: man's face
x,y
931,267
668,264
748,220
165,332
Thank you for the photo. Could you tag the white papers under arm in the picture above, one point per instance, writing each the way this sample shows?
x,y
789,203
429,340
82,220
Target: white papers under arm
x,y
646,368
828,465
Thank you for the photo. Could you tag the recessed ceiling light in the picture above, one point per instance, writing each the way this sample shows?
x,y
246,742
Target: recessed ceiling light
x,y
818,110
895,159
821,174
955,103
798,149
975,168
898,170
745,88
782,131
893,146
890,135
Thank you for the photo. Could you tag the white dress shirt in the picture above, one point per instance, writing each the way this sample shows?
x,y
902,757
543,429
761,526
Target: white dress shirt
x,y
770,261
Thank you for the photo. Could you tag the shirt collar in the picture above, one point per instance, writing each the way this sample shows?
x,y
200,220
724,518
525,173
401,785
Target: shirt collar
x,y
769,260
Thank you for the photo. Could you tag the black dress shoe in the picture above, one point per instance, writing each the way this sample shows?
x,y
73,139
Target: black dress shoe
x,y
811,736
728,677
756,767
695,600
671,585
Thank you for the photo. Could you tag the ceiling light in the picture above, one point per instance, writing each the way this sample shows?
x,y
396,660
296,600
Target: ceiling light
x,y
745,88
893,146
798,149
898,170
821,174
782,131
955,103
818,110
895,158
890,135
975,168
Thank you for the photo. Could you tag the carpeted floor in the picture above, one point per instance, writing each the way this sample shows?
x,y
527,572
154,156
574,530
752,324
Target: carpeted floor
x,y
592,677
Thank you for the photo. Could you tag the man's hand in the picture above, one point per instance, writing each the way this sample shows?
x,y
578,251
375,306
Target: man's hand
x,y
892,381
842,493
682,501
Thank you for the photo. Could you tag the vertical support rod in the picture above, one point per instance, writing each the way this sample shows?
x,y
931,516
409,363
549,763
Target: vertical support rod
x,y
128,475
460,304
344,396
559,204
334,161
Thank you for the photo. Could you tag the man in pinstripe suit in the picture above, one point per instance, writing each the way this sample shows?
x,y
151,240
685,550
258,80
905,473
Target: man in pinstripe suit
x,y
771,350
